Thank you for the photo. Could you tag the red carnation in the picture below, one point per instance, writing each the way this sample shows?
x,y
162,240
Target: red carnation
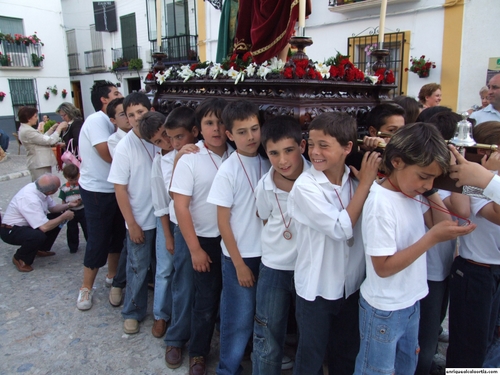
x,y
234,56
389,77
300,72
288,72
303,63
193,67
247,56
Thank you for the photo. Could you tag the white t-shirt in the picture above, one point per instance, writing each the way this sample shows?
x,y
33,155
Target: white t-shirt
x,y
277,252
193,177
231,188
167,167
159,194
392,222
132,167
326,266
114,139
492,190
28,208
94,170
440,257
483,244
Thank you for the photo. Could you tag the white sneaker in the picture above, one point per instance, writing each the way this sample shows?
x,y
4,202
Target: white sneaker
x,y
108,282
84,301
286,363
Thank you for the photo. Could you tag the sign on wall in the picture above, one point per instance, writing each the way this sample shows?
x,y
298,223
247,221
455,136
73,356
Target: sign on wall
x,y
105,16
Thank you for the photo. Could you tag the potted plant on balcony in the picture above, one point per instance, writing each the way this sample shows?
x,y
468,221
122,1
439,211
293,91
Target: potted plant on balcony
x,y
2,95
37,60
4,59
119,63
135,64
64,93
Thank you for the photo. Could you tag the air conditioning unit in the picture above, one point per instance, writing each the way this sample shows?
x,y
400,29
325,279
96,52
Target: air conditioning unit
x,y
19,59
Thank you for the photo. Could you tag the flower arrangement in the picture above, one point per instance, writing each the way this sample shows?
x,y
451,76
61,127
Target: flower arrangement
x,y
46,95
21,39
4,60
37,60
52,89
2,95
64,93
370,48
421,66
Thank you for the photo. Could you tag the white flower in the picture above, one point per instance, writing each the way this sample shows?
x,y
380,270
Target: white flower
x,y
323,69
186,72
232,73
373,79
168,72
250,70
201,72
276,64
263,71
215,70
160,77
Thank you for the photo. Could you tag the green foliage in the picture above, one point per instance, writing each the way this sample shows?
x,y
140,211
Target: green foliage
x,y
135,64
48,125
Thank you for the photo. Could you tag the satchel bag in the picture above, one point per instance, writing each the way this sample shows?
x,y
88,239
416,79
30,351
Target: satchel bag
x,y
69,157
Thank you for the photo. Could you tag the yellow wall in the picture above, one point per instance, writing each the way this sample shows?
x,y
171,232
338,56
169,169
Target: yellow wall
x,y
202,30
452,49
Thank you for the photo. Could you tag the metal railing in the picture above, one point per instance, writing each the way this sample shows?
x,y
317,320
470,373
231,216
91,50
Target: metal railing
x,y
179,49
94,60
21,55
74,64
122,56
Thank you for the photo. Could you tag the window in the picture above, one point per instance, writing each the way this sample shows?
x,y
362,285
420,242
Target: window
x,y
13,26
23,93
74,65
398,45
129,37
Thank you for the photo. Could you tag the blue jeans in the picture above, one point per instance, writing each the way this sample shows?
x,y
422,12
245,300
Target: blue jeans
x,y
120,279
208,286
162,303
182,294
327,327
389,340
474,306
136,292
237,312
275,294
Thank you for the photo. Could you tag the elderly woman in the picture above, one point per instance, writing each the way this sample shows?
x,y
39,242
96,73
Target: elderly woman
x,y
38,146
430,95
73,117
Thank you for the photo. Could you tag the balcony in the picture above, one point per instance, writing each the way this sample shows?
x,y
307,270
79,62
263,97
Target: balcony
x,y
122,56
20,56
74,65
94,60
182,49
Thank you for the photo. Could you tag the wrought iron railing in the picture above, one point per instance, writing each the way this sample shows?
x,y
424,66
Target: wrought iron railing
x,y
94,59
122,56
179,49
21,55
74,64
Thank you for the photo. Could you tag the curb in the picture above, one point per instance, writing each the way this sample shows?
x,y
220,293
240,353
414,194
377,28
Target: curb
x,y
12,176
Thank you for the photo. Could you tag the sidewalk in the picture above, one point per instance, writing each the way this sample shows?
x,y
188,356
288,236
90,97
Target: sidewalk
x,y
14,165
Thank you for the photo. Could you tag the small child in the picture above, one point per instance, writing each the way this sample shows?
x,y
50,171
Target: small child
x,y
282,140
394,219
119,119
233,193
70,192
325,204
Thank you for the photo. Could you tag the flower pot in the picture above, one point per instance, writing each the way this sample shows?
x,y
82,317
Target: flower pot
x,y
1,98
64,95
423,74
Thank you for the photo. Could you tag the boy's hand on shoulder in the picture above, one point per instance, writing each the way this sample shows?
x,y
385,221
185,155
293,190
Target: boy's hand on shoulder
x,y
491,163
448,230
136,234
245,276
369,168
201,260
371,143
190,148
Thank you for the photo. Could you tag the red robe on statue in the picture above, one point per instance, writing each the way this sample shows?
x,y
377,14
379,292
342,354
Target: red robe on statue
x,y
265,27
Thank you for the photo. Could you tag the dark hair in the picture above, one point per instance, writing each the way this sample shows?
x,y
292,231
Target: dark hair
x,y
379,114
136,98
280,127
446,123
100,89
411,107
25,113
487,132
111,108
427,90
150,123
417,144
239,110
339,125
427,113
70,171
209,106
181,117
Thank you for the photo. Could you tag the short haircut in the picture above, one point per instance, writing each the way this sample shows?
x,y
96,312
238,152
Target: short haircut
x,y
427,113
100,89
483,90
150,123
417,144
136,98
111,108
339,125
25,113
70,171
446,123
411,107
379,114
239,110
181,117
280,127
209,106
71,111
487,132
427,90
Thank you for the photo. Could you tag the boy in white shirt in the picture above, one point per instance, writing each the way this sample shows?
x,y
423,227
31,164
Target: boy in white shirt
x,y
282,140
325,203
131,174
233,193
119,119
191,182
